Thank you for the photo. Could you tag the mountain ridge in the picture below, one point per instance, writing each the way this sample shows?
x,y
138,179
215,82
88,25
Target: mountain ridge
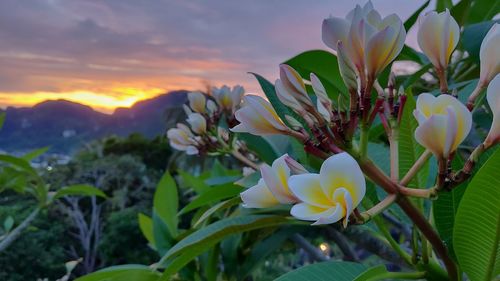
x,y
65,125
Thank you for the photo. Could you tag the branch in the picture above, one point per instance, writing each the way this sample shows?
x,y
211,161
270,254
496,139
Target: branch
x,y
312,251
416,167
341,241
14,234
244,160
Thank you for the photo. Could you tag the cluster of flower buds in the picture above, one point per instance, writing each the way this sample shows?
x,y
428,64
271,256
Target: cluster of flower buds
x,y
324,198
208,116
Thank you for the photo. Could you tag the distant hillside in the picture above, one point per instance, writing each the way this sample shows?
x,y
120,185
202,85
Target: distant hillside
x,y
65,125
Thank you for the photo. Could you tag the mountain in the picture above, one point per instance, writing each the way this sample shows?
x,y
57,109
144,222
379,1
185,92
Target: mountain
x,y
65,125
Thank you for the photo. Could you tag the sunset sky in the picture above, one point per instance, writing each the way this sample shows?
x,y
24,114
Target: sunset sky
x,y
112,53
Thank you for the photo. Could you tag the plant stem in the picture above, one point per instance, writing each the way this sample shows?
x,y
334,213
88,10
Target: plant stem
x,y
14,234
394,244
394,152
363,141
472,98
244,160
417,192
380,207
375,174
416,167
443,83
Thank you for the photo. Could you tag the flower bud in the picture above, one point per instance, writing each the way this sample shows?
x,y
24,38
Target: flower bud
x,y
197,101
347,69
493,97
295,167
258,117
181,138
490,55
198,123
324,104
438,36
293,84
286,98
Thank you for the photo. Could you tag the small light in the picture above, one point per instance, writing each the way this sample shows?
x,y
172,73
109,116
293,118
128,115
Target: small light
x,y
324,247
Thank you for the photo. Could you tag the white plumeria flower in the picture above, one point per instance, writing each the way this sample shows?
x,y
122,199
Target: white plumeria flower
x,y
272,189
490,55
332,194
293,84
493,97
258,117
228,99
198,123
370,42
438,36
197,101
444,122
181,138
347,69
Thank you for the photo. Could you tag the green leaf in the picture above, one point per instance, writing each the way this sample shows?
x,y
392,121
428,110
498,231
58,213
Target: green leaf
x,y
17,162
411,79
325,271
409,149
413,18
220,206
35,153
8,223
260,146
129,272
483,10
460,11
214,194
261,250
441,5
166,203
372,272
476,234
325,65
196,183
162,236
473,36
79,190
445,208
200,241
146,226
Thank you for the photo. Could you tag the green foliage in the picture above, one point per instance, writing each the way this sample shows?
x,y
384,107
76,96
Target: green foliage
x,y
341,271
122,241
200,241
413,18
473,37
80,190
476,233
39,252
166,203
146,226
409,149
213,195
130,272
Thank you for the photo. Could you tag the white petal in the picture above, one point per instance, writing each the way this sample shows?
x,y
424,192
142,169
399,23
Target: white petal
x,y
304,211
307,188
286,98
264,109
258,196
425,105
333,215
198,123
276,179
334,30
431,134
493,97
341,170
490,54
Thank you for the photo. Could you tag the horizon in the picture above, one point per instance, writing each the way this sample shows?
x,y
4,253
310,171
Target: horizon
x,y
113,54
